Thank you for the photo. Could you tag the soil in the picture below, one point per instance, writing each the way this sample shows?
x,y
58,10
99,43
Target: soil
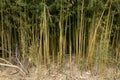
x,y
66,72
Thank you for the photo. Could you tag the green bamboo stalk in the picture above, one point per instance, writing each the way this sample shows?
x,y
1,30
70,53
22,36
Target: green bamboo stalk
x,y
2,33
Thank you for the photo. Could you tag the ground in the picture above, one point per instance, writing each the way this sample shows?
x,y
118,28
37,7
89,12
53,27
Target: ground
x,y
54,73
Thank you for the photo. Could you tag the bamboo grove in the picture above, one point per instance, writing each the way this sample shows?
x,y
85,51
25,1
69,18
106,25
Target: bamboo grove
x,y
45,31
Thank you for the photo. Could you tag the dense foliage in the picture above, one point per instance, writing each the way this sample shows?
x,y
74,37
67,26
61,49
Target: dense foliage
x,y
67,24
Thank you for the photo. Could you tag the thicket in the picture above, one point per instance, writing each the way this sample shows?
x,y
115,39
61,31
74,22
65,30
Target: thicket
x,y
44,31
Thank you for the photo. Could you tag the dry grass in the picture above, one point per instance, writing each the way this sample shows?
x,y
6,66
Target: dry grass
x,y
69,71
